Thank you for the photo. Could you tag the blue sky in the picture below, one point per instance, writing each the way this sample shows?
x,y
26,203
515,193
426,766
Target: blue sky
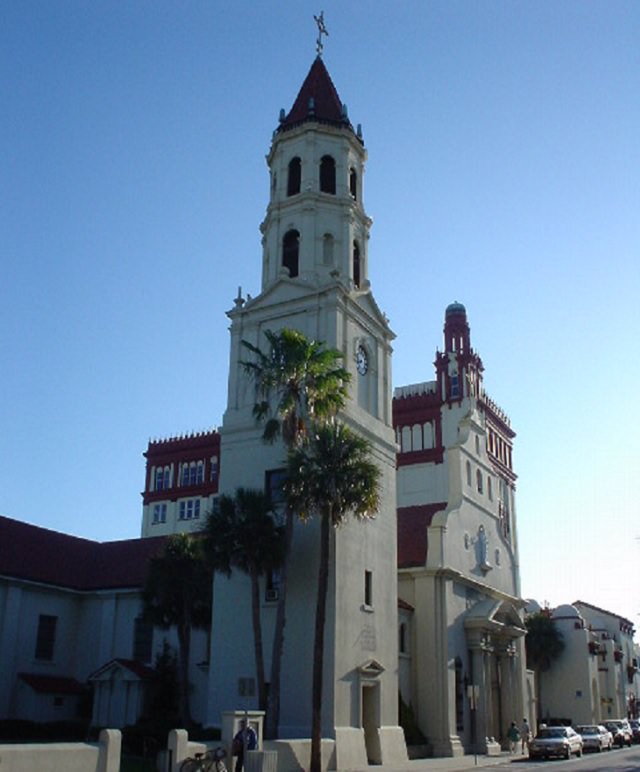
x,y
503,172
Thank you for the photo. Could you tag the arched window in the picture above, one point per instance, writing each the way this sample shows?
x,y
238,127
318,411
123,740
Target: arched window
x,y
327,249
416,437
468,473
290,250
356,264
295,176
353,183
327,175
489,489
427,433
479,481
406,439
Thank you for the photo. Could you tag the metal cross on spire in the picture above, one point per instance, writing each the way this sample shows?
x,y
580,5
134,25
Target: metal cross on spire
x,y
322,30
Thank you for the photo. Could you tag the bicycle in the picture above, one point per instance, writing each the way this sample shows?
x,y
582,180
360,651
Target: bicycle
x,y
211,761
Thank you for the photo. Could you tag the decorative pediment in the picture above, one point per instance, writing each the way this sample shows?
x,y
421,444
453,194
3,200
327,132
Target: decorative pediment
x,y
371,668
496,616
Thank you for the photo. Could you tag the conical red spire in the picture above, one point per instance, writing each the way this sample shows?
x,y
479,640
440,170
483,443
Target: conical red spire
x,y
317,100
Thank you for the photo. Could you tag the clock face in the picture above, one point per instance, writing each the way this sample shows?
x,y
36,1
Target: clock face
x,y
362,360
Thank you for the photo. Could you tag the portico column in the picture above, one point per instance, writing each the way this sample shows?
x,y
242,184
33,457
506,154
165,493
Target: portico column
x,y
480,649
509,701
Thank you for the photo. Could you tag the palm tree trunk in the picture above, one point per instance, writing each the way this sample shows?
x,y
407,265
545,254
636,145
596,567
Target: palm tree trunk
x,y
318,645
272,722
257,636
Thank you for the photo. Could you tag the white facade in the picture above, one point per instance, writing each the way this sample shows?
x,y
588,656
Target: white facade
x,y
458,552
595,677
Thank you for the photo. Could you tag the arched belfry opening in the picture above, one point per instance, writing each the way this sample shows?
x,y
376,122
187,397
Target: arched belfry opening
x,y
356,265
294,177
291,252
353,183
327,175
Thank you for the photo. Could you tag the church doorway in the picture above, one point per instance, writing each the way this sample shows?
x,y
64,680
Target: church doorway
x,y
371,721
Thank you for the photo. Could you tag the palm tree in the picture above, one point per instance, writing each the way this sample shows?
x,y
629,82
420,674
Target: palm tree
x,y
543,644
297,380
330,475
177,593
243,534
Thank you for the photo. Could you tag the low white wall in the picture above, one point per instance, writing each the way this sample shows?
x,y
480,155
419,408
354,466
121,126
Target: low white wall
x,y
103,756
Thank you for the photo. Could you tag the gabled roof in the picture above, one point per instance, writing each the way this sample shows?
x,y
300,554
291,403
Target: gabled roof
x,y
317,100
412,533
47,684
39,555
138,669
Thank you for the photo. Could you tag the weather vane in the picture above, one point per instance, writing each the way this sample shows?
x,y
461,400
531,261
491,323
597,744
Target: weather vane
x,y
322,30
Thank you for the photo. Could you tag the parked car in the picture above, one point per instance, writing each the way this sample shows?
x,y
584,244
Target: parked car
x,y
621,731
555,741
634,723
595,737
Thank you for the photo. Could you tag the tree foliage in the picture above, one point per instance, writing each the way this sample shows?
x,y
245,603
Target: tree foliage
x,y
297,381
177,593
243,534
543,641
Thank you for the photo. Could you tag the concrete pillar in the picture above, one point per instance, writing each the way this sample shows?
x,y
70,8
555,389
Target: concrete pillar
x,y
110,750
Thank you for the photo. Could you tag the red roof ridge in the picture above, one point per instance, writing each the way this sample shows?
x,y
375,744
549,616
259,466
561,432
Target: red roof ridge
x,y
37,554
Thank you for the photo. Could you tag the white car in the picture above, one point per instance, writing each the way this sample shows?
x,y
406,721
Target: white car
x,y
595,737
555,741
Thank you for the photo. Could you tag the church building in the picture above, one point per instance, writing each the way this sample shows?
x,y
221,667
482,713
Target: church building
x,y
424,599
435,618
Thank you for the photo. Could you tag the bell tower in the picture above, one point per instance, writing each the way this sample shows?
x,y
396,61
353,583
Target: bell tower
x,y
315,279
458,367
316,228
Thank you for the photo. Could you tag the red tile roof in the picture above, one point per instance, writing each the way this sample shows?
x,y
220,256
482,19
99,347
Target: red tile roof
x,y
39,555
47,684
327,106
412,533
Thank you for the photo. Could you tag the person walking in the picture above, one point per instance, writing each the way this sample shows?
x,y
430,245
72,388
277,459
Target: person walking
x,y
245,737
514,735
525,734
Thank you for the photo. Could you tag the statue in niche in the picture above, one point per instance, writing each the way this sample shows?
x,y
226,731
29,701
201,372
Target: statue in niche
x,y
483,550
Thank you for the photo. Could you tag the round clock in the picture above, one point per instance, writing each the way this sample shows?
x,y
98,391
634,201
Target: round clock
x,y
362,360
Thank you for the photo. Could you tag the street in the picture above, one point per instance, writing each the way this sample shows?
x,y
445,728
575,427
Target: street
x,y
618,760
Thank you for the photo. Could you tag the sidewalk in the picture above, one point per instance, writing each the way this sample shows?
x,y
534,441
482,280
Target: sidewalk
x,y
452,764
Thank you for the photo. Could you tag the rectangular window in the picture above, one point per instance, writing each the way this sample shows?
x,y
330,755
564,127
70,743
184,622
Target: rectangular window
x,y
274,481
190,509
159,513
368,588
46,637
272,587
142,640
